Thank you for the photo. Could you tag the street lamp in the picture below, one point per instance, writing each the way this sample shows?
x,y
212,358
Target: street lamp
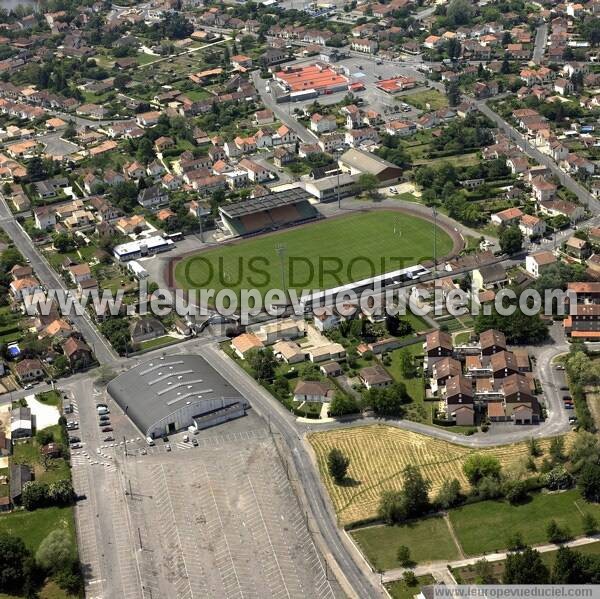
x,y
338,153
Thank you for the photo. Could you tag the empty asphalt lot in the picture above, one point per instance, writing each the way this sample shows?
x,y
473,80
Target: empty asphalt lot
x,y
221,520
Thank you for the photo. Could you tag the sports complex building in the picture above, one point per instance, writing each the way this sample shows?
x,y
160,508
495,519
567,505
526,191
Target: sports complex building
x,y
172,393
267,213
318,78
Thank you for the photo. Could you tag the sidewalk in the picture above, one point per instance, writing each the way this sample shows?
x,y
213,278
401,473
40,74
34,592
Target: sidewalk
x,y
397,573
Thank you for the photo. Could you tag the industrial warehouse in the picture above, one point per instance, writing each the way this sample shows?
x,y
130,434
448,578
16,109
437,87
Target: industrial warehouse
x,y
170,394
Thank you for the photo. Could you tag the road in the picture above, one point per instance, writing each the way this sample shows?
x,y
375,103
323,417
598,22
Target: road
x,y
363,582
282,111
48,277
541,38
584,196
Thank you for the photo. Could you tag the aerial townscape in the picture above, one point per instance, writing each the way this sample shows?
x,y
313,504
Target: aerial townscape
x,y
233,237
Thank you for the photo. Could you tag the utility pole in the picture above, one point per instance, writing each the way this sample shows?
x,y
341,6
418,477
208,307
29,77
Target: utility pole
x,y
434,240
280,250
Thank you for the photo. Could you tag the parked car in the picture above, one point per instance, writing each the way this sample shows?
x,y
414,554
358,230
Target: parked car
x,y
567,398
195,442
168,446
104,417
108,439
74,440
107,429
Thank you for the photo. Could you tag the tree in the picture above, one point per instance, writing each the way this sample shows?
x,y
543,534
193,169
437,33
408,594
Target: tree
x,y
515,491
511,240
407,368
478,466
534,447
35,169
44,437
403,556
453,93
449,494
411,502
61,492
484,572
337,464
569,567
63,242
525,567
13,555
459,12
589,524
343,403
368,183
34,495
263,364
589,482
557,449
557,479
556,534
145,151
54,551
515,542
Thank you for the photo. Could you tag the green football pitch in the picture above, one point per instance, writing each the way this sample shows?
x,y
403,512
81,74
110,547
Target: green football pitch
x,y
321,255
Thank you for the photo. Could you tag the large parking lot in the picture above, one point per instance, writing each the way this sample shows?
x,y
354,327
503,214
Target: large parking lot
x,y
221,519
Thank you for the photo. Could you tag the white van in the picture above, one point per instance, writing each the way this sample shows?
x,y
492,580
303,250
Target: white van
x,y
102,411
150,441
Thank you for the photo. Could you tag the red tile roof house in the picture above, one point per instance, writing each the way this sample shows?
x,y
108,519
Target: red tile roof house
x,y
77,352
312,391
29,370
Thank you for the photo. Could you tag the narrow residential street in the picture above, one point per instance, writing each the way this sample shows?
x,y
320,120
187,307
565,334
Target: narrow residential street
x,y
584,196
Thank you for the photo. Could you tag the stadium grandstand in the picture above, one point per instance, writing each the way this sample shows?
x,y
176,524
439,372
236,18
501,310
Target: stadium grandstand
x,y
267,213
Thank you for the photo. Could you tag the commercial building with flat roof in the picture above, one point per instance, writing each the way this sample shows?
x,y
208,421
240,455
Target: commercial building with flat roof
x,y
171,393
320,77
142,247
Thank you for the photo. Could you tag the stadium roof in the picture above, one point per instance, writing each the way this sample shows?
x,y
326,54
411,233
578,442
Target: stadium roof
x,y
268,202
367,162
159,387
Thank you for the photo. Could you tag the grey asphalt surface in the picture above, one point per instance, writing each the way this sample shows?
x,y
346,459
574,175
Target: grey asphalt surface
x,y
541,37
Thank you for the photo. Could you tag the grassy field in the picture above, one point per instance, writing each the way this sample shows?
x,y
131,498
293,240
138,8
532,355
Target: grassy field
x,y
28,452
479,526
158,342
400,590
468,574
379,453
428,540
34,527
434,98
322,255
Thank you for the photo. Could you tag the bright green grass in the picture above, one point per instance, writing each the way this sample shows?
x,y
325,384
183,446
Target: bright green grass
x,y
414,385
484,527
158,342
34,527
400,590
321,255
434,98
428,540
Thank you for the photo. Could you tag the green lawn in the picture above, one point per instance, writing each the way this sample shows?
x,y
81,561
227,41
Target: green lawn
x,y
34,527
414,385
321,255
27,452
434,98
484,527
158,342
50,398
400,590
462,338
428,540
4,489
